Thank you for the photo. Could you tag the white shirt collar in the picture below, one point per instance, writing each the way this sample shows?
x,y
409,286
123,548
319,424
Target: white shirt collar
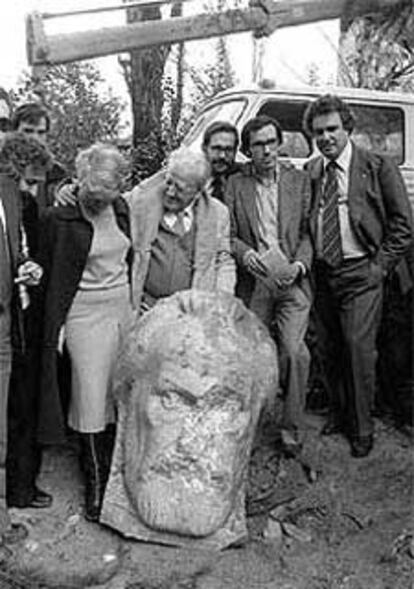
x,y
187,213
343,161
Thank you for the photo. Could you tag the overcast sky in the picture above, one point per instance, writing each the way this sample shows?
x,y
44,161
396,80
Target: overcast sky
x,y
289,52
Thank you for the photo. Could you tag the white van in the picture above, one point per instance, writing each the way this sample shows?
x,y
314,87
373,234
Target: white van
x,y
384,120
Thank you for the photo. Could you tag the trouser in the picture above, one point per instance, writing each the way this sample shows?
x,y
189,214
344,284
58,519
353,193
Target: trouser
x,y
349,305
23,454
5,371
286,313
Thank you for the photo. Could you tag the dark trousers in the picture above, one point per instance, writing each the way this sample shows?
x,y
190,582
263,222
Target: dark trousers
x,y
23,453
349,307
5,369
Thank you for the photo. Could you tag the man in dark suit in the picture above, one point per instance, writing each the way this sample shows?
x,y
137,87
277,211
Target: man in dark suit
x,y
15,269
361,227
268,203
26,161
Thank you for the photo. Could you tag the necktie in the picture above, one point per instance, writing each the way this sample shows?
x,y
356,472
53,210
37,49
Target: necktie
x,y
331,235
179,227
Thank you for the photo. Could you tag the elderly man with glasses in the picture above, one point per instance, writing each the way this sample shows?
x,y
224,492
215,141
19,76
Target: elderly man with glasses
x,y
181,236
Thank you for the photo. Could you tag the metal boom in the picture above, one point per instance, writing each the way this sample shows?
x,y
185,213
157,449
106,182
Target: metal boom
x,y
262,16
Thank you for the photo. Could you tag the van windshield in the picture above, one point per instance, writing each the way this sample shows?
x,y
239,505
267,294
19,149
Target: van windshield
x,y
229,110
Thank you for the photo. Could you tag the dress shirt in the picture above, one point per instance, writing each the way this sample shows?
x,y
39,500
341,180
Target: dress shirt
x,y
267,214
170,219
267,206
351,248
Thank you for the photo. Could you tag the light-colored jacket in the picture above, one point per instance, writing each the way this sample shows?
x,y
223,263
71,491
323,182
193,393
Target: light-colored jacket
x,y
214,266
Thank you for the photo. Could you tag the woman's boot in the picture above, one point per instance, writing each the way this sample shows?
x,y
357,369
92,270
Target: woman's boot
x,y
91,464
96,456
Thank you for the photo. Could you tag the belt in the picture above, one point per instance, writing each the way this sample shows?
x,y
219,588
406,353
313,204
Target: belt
x,y
344,262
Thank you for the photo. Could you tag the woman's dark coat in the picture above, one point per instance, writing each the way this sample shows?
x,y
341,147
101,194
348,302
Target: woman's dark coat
x,y
65,239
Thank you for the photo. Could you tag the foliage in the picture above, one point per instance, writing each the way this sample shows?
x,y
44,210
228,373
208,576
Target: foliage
x,y
144,74
167,94
205,83
80,112
377,52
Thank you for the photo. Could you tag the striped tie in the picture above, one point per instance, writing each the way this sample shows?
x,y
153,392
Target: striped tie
x,y
331,235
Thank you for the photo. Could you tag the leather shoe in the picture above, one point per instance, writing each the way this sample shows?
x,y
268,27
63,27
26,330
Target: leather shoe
x,y
40,500
332,427
361,446
14,533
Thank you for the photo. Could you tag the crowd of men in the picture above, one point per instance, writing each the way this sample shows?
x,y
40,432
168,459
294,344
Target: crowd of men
x,y
263,230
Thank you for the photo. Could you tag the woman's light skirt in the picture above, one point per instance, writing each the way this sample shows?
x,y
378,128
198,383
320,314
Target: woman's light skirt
x,y
95,326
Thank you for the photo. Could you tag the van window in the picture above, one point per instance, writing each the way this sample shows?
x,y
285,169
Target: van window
x,y
229,110
380,129
289,114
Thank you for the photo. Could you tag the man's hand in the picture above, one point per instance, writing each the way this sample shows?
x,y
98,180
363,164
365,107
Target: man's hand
x,y
297,271
254,264
29,273
66,195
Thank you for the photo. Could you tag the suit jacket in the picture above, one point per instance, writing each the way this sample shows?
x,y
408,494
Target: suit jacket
x,y
293,213
10,197
65,238
214,267
379,209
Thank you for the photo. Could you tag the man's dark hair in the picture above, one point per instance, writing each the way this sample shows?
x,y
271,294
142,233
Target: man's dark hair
x,y
32,113
220,127
18,151
254,125
325,105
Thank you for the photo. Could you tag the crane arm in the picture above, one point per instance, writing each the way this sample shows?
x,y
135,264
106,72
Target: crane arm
x,y
262,17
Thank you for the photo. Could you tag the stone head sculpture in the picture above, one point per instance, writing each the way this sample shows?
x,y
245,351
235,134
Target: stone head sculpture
x,y
193,377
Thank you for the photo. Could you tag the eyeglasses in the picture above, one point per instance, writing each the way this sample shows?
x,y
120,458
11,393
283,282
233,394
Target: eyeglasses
x,y
5,124
228,150
180,188
263,144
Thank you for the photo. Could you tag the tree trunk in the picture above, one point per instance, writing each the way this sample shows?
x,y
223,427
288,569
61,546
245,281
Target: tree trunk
x,y
146,73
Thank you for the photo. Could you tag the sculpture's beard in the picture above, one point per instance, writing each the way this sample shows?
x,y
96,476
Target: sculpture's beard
x,y
182,506
184,496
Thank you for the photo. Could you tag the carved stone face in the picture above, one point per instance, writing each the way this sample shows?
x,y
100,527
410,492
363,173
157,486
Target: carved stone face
x,y
197,440
193,392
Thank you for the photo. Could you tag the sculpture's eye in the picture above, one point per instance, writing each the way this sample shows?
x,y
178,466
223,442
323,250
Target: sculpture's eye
x,y
170,400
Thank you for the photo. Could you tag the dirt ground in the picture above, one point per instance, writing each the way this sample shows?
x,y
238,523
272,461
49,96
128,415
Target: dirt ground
x,y
352,528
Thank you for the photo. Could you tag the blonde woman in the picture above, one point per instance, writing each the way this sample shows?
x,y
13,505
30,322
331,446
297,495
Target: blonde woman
x,y
86,253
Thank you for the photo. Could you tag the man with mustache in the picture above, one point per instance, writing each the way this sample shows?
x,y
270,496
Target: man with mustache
x,y
361,227
268,203
220,143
